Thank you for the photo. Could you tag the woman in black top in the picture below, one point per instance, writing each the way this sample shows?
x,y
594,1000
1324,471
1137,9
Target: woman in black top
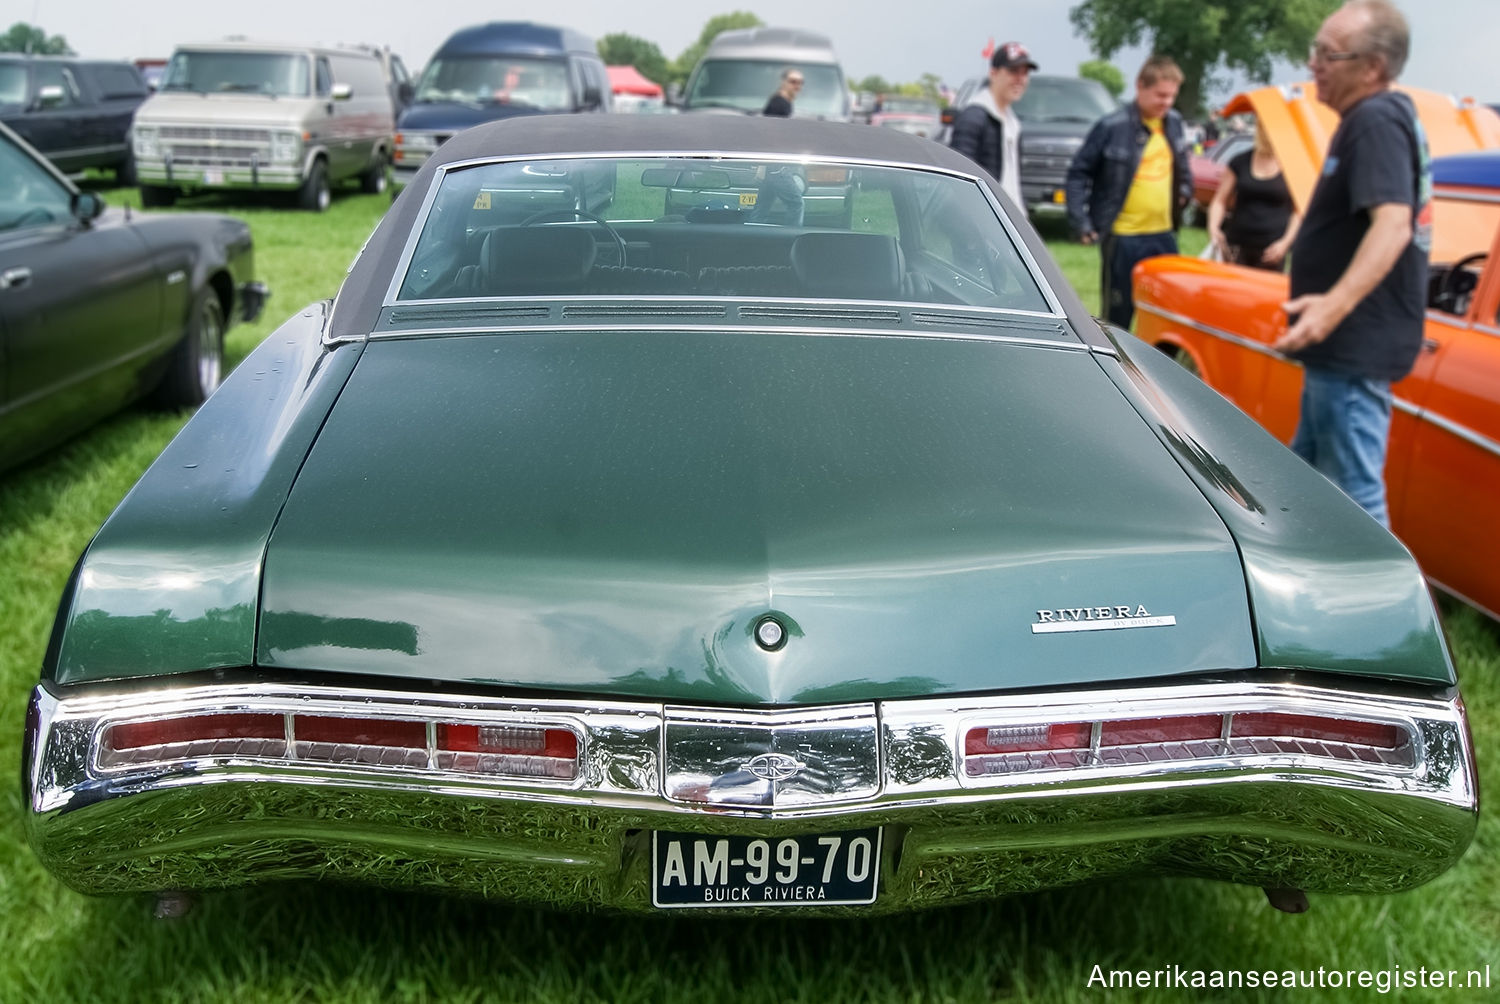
x,y
1263,224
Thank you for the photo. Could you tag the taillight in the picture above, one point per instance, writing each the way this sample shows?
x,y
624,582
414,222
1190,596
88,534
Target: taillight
x,y
1009,749
507,749
387,741
193,736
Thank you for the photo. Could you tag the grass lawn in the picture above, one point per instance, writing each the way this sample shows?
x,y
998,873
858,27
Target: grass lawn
x,y
311,942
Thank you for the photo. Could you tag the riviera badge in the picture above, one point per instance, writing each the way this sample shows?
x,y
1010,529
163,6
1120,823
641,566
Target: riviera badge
x,y
1066,619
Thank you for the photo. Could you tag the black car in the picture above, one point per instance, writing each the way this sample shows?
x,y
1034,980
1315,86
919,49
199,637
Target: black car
x,y
77,112
101,307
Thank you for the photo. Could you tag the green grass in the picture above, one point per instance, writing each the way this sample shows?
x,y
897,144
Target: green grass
x,y
311,942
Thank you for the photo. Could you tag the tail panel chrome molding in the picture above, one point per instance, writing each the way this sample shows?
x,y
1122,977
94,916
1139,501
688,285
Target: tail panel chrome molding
x,y
1293,815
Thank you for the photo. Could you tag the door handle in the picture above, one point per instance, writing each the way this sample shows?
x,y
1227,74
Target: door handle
x,y
1431,345
15,278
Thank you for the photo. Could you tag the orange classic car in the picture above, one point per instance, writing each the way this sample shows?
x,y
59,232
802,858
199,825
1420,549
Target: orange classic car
x,y
1443,466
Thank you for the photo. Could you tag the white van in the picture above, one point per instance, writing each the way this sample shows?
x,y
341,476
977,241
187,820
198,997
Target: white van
x,y
265,116
742,68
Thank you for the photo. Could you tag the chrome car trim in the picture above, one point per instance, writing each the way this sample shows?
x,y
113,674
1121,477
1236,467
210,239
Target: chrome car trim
x,y
1449,426
222,818
1449,195
1401,404
1487,329
964,336
403,263
1188,322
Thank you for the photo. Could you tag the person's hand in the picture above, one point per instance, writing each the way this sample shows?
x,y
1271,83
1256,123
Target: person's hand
x,y
1088,237
1317,315
1273,254
1216,238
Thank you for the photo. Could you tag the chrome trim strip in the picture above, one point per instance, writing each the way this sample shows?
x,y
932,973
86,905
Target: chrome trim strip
x,y
408,333
1113,624
1401,404
1188,322
1449,195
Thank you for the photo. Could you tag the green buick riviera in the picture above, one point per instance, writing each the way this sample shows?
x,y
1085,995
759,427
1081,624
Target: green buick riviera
x,y
734,514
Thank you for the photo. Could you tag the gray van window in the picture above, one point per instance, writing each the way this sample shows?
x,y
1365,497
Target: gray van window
x,y
515,80
361,73
208,71
746,84
325,77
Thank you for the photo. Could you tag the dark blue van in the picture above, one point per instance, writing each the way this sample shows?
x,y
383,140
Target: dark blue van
x,y
493,71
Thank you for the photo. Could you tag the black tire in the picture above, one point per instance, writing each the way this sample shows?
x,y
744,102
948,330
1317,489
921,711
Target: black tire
x,y
197,362
377,178
315,195
125,170
153,196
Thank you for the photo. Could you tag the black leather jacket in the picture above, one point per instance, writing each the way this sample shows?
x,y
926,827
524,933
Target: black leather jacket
x,y
1101,172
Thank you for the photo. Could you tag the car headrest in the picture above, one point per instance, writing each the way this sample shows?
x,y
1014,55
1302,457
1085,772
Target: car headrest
x,y
516,260
848,265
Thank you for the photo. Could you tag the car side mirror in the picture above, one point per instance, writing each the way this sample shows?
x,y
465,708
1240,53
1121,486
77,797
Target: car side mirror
x,y
50,96
592,96
405,92
86,206
341,92
674,94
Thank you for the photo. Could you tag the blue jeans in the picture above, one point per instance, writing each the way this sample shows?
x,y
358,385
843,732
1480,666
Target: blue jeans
x,y
1343,432
1118,255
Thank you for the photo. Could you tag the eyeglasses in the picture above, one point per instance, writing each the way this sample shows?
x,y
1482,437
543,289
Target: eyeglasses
x,y
1319,53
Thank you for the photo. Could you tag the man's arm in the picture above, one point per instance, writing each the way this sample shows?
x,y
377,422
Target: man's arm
x,y
1319,313
1080,182
966,131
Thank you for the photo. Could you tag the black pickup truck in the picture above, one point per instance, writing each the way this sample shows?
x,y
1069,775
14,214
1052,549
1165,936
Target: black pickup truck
x,y
77,112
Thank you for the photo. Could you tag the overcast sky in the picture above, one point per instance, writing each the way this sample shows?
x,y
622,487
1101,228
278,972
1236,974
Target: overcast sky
x,y
1453,41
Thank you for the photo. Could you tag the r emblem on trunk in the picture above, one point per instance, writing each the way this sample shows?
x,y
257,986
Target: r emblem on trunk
x,y
774,766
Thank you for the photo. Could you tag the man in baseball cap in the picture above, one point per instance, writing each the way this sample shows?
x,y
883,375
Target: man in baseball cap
x,y
988,130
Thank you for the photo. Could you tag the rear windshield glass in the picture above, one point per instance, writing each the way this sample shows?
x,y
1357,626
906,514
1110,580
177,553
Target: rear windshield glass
x,y
492,80
746,85
12,84
716,227
207,72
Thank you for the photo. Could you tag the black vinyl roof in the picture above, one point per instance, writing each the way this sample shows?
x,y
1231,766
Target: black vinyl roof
x,y
701,134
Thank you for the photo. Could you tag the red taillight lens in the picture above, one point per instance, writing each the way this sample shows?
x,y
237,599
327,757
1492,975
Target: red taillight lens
x,y
1140,731
361,731
1026,738
196,728
526,751
1276,725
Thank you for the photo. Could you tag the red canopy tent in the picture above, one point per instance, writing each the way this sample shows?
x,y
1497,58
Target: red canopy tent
x,y
628,80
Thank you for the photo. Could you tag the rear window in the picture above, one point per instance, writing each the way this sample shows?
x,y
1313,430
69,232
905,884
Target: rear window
x,y
721,227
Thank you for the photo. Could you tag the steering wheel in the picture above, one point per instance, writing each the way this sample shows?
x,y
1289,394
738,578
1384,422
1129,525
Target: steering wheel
x,y
1448,292
547,214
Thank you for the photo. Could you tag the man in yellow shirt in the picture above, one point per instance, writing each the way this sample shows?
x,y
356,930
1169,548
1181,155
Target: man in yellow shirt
x,y
1128,184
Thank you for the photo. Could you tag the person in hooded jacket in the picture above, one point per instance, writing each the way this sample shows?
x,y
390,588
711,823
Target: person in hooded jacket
x,y
987,130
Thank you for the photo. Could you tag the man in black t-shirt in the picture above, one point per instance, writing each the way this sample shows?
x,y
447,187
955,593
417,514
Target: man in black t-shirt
x,y
1359,265
780,103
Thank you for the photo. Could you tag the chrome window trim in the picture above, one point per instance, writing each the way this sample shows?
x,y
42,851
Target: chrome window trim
x,y
404,262
1449,195
811,330
1401,404
919,750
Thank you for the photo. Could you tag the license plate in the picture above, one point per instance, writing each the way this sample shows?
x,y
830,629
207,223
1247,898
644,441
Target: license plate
x,y
213,177
1059,196
748,198
694,869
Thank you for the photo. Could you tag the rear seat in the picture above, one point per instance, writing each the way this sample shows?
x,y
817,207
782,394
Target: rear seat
x,y
627,280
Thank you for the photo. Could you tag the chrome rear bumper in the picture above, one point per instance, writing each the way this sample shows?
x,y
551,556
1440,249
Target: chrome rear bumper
x,y
1301,815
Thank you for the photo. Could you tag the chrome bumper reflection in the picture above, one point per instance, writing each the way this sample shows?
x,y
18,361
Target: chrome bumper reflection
x,y
203,817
